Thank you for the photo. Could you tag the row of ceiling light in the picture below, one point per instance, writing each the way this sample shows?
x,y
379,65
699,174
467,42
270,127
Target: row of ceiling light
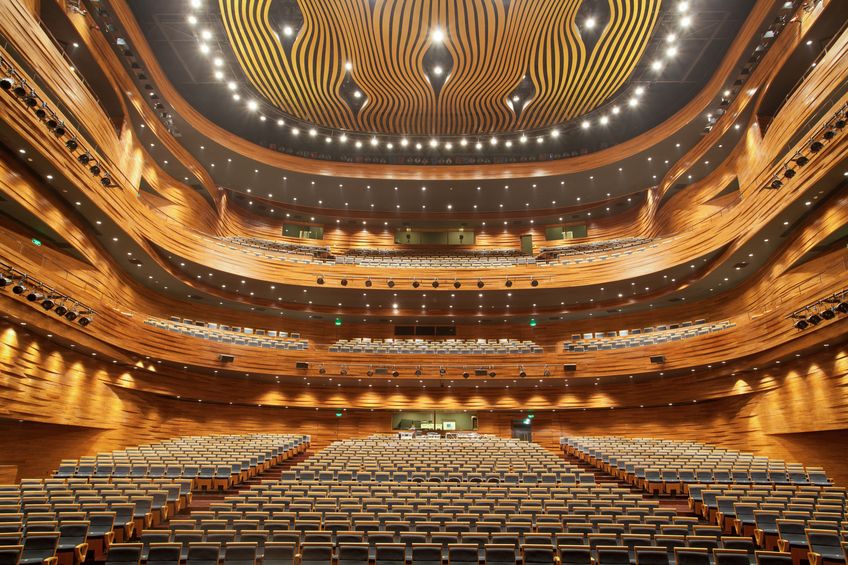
x,y
49,298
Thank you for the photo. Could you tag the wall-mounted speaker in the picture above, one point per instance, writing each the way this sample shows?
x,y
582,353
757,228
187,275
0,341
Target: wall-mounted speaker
x,y
301,365
226,358
569,367
481,372
658,359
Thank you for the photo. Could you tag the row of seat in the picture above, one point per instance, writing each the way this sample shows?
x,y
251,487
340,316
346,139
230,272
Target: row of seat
x,y
436,347
264,340
554,253
644,337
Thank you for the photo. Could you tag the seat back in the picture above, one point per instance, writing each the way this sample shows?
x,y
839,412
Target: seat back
x,y
463,554
160,553
279,553
240,553
773,558
691,556
575,554
352,553
203,553
612,555
651,556
538,553
124,553
10,554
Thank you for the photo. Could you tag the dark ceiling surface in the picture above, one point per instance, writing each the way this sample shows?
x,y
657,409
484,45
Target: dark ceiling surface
x,y
689,55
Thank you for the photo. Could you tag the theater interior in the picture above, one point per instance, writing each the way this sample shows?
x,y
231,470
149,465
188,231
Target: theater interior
x,y
423,282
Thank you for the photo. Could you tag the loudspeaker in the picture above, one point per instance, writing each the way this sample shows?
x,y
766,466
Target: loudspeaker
x,y
301,365
226,358
481,372
659,359
569,367
381,371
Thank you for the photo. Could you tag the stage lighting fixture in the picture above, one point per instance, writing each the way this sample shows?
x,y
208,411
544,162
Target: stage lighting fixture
x,y
492,374
842,307
418,371
789,173
546,372
31,99
84,321
802,160
48,303
369,372
534,283
816,146
95,169
71,315
828,314
19,288
60,310
343,282
343,371
395,373
5,280
71,144
320,279
465,374
815,319
480,284
20,89
776,183
390,283
829,134
368,283
34,296
508,283
801,324
522,373
415,284
442,371
322,370
84,158
6,83
41,113
839,123
106,181
59,129
436,283
457,284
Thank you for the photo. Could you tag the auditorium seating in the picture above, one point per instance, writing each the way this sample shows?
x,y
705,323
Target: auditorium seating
x,y
420,346
433,259
233,335
302,250
399,500
642,337
556,254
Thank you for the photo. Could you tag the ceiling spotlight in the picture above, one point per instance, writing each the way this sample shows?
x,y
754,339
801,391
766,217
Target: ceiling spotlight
x,y
368,283
534,283
48,303
492,374
34,296
71,144
415,284
815,319
58,129
465,374
508,283
801,324
60,310
84,158
546,371
343,370
19,288
322,370
418,371
521,372
31,99
6,83
589,23
842,307
320,279
84,321
829,134
442,371
776,183
839,123
436,283
438,35
71,315
395,373
457,284
369,372
789,173
95,169
390,283
106,181
480,283
816,146
828,314
343,282
801,160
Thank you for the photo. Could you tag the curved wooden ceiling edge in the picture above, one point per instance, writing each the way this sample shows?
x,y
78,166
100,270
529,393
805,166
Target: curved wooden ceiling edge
x,y
406,172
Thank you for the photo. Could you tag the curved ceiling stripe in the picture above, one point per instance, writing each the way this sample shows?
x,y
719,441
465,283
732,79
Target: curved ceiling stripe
x,y
491,45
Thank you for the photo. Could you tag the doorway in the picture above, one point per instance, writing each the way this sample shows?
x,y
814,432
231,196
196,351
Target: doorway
x,y
527,244
522,429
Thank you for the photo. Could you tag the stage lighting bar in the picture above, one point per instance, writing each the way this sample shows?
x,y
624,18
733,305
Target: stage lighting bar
x,y
37,292
13,84
823,310
321,279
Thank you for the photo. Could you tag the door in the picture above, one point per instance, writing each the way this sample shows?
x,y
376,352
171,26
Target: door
x,y
522,429
527,244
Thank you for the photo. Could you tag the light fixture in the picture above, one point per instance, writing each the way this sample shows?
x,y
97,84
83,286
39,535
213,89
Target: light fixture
x,y
508,283
418,371
801,324
395,373
5,280
442,371
60,310
322,370
415,284
71,315
828,314
320,279
457,284
343,282
368,283
480,283
534,283
19,288
390,283
34,296
435,283
370,372
84,320
465,374
815,319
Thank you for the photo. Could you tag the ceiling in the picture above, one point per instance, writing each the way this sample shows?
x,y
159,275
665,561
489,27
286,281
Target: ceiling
x,y
433,81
